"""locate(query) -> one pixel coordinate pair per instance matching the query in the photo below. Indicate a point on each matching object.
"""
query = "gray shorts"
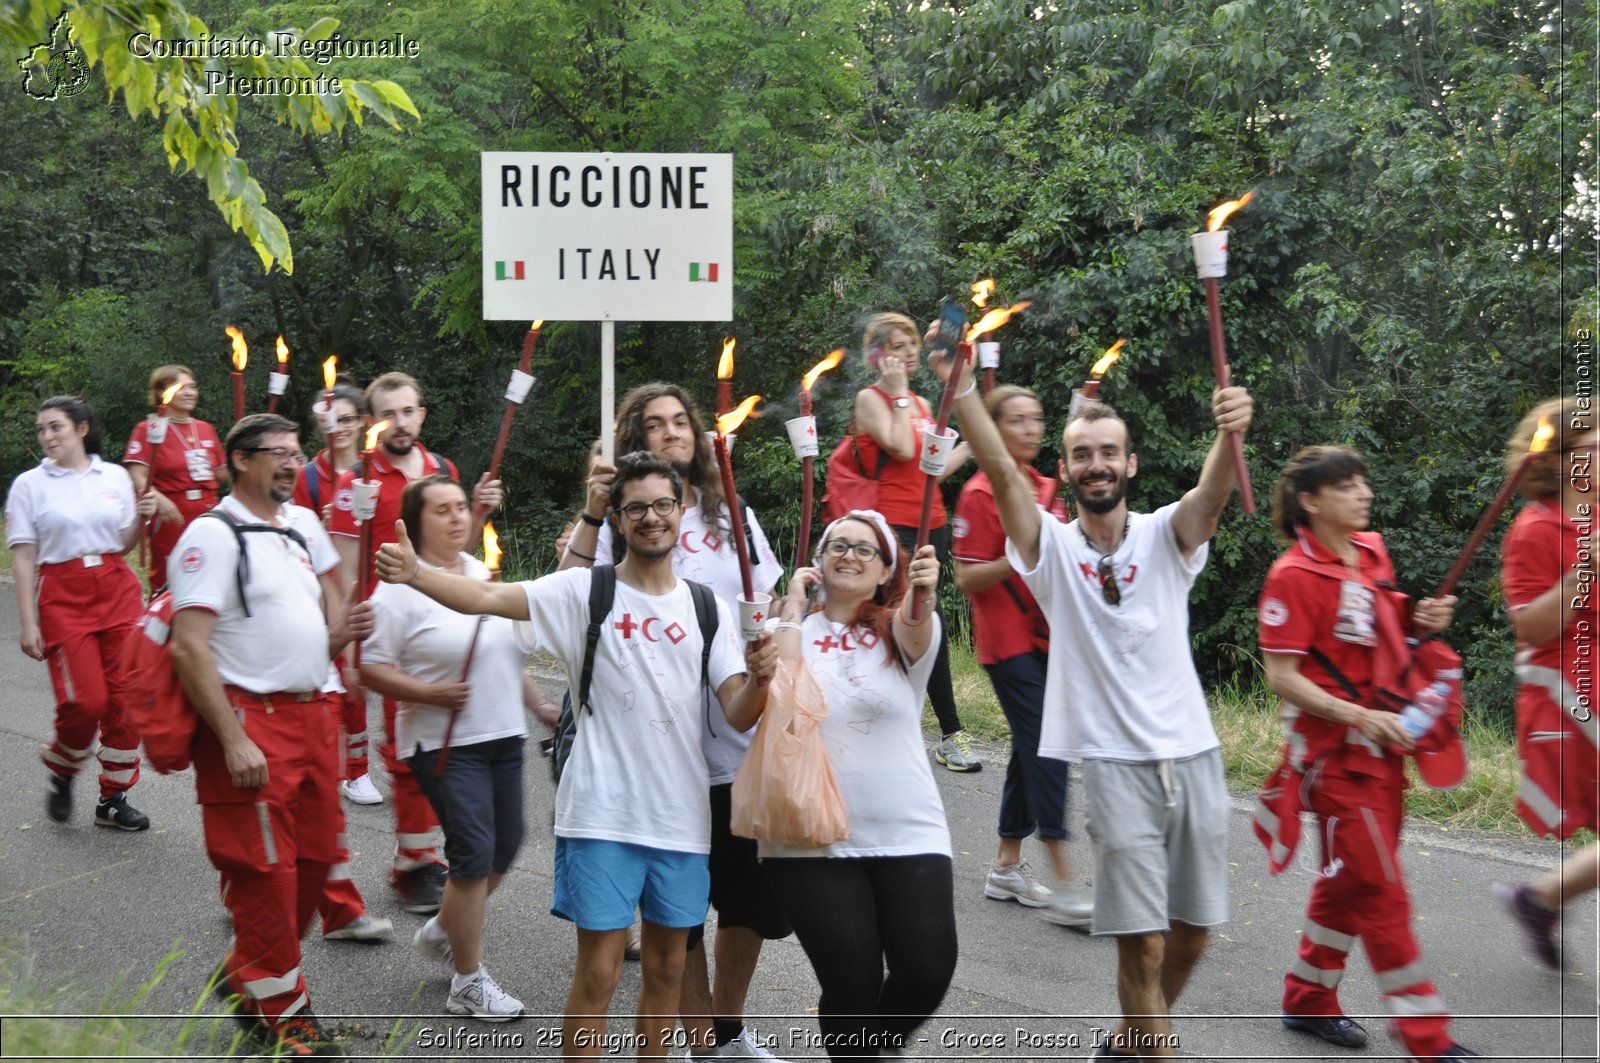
(1160, 834)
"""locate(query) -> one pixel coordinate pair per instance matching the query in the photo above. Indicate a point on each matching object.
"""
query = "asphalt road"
(88, 915)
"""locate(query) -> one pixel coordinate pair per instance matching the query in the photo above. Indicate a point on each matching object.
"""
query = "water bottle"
(1417, 718)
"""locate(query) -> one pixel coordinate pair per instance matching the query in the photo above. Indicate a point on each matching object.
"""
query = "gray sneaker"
(483, 999)
(955, 752)
(431, 940)
(1071, 904)
(1016, 883)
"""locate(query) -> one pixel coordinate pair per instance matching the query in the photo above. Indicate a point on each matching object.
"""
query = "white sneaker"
(361, 791)
(1015, 882)
(367, 929)
(432, 942)
(1071, 904)
(482, 998)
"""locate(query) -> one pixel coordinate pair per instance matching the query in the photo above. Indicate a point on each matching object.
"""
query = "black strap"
(313, 481)
(602, 592)
(1337, 676)
(705, 612)
(855, 450)
(241, 572)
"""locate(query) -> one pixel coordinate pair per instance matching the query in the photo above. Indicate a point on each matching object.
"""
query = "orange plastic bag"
(785, 792)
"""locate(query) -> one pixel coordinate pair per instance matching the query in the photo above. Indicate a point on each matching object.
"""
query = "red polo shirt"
(320, 469)
(1541, 545)
(391, 482)
(1006, 621)
(169, 460)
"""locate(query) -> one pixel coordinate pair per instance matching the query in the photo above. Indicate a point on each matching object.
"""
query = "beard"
(399, 450)
(1101, 506)
(651, 553)
(282, 490)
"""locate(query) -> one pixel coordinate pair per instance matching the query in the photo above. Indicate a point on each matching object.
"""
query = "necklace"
(1127, 522)
(192, 441)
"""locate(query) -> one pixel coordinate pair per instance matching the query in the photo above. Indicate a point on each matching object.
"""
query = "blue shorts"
(599, 884)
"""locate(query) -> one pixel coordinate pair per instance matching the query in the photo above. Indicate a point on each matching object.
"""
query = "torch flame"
(1541, 438)
(981, 291)
(995, 318)
(330, 371)
(491, 547)
(725, 364)
(535, 327)
(283, 353)
(166, 396)
(241, 352)
(373, 433)
(730, 421)
(821, 367)
(1108, 359)
(1220, 214)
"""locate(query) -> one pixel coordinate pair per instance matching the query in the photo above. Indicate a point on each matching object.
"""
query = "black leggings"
(853, 914)
(940, 692)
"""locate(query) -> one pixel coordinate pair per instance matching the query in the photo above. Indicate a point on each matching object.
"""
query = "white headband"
(874, 518)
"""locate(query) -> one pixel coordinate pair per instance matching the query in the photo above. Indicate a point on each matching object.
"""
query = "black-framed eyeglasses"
(636, 510)
(279, 454)
(1108, 582)
(863, 551)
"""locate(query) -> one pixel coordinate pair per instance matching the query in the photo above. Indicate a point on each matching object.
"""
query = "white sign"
(574, 236)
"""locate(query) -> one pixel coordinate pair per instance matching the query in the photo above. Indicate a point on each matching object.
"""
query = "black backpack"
(602, 594)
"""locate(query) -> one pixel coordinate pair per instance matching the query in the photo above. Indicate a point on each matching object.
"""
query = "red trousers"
(355, 735)
(86, 616)
(273, 846)
(1361, 894)
(416, 825)
(164, 533)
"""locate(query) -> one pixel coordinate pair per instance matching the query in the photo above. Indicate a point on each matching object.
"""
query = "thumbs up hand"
(397, 561)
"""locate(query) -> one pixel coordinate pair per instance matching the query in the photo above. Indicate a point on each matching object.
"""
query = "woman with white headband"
(885, 893)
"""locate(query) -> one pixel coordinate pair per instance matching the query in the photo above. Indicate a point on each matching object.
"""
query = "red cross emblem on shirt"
(826, 644)
(626, 626)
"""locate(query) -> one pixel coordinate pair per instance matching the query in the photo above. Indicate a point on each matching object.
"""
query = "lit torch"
(516, 393)
(327, 419)
(803, 437)
(278, 381)
(1538, 445)
(365, 505)
(988, 350)
(491, 558)
(155, 432)
(1211, 262)
(1090, 392)
(937, 441)
(725, 378)
(752, 610)
(241, 355)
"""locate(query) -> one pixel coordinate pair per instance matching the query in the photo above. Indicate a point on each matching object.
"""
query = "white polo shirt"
(282, 646)
(69, 514)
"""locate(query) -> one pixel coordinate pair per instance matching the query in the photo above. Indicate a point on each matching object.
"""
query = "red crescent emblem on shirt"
(193, 559)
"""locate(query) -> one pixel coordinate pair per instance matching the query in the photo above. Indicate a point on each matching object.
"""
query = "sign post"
(608, 237)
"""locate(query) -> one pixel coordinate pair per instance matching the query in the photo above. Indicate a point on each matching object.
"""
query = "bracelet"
(593, 522)
(574, 553)
(971, 387)
(786, 625)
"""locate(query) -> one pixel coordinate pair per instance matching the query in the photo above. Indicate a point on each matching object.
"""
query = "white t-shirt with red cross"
(706, 554)
(873, 736)
(283, 644)
(636, 773)
(1121, 683)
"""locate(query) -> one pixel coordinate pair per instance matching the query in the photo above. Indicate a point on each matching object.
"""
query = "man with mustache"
(1121, 693)
(418, 874)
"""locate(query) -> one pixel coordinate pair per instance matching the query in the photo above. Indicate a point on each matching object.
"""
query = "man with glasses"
(1121, 693)
(633, 821)
(253, 639)
(418, 874)
(662, 419)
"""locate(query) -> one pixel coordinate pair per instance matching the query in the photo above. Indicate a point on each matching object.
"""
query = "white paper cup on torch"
(802, 436)
(365, 499)
(327, 419)
(156, 430)
(989, 354)
(711, 441)
(517, 390)
(753, 616)
(277, 383)
(1210, 253)
(936, 449)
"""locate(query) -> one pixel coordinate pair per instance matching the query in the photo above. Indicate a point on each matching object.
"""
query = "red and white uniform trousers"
(416, 824)
(88, 608)
(355, 735)
(1558, 751)
(1361, 893)
(274, 845)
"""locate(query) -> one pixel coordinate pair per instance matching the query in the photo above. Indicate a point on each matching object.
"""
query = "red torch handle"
(272, 404)
(988, 379)
(807, 493)
(1485, 522)
(450, 725)
(931, 483)
(1219, 364)
(736, 519)
(238, 395)
(528, 343)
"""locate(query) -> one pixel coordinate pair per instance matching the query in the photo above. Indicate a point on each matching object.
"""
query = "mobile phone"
(952, 324)
(813, 596)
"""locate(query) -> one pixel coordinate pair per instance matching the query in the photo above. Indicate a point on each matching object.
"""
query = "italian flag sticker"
(508, 271)
(703, 271)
